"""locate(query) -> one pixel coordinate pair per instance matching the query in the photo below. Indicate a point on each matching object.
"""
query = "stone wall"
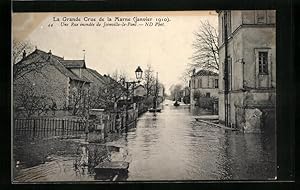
(250, 111)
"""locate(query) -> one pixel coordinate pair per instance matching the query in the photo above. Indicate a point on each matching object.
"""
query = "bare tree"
(22, 68)
(110, 93)
(175, 91)
(119, 76)
(78, 99)
(186, 76)
(149, 81)
(19, 48)
(206, 53)
(114, 91)
(30, 103)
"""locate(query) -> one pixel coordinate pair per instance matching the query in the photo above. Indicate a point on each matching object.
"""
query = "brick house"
(251, 68)
(53, 81)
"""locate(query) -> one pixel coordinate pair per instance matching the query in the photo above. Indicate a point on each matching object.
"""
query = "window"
(194, 83)
(216, 83)
(263, 62)
(263, 67)
(200, 83)
(207, 94)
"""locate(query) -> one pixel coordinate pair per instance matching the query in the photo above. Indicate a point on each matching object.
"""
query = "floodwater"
(169, 145)
(172, 146)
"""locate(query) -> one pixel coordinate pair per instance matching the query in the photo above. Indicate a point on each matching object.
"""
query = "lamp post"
(138, 75)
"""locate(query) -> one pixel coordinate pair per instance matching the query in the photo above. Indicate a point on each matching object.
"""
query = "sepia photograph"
(143, 96)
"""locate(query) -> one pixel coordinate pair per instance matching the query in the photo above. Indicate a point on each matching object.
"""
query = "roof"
(205, 73)
(140, 85)
(96, 74)
(66, 71)
(57, 62)
(40, 53)
(74, 63)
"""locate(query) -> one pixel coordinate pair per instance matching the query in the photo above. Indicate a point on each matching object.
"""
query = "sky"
(107, 49)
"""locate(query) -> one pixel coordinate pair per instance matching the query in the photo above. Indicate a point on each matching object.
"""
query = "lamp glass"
(138, 73)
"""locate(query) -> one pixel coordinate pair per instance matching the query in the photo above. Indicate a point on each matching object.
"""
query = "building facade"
(203, 83)
(247, 78)
(49, 85)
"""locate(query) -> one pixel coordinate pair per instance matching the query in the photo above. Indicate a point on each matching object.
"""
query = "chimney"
(24, 54)
(49, 53)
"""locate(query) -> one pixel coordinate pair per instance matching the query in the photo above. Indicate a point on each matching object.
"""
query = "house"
(247, 79)
(50, 84)
(203, 83)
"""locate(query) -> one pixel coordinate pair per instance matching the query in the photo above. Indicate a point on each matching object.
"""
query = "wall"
(236, 20)
(235, 51)
(258, 38)
(250, 16)
(48, 82)
(244, 90)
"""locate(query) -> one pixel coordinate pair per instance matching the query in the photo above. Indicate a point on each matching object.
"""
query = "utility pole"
(126, 108)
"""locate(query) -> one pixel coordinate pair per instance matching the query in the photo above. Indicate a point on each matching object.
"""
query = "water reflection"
(170, 145)
(174, 147)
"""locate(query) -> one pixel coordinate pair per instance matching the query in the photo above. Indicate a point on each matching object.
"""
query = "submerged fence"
(44, 127)
(48, 127)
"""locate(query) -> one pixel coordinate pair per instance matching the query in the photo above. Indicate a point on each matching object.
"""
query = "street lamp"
(138, 73)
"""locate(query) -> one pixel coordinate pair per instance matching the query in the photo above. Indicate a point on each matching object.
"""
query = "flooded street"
(170, 145)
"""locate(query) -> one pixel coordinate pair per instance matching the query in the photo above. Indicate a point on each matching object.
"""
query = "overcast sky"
(107, 49)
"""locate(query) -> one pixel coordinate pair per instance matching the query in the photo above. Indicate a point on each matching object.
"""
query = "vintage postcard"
(143, 96)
